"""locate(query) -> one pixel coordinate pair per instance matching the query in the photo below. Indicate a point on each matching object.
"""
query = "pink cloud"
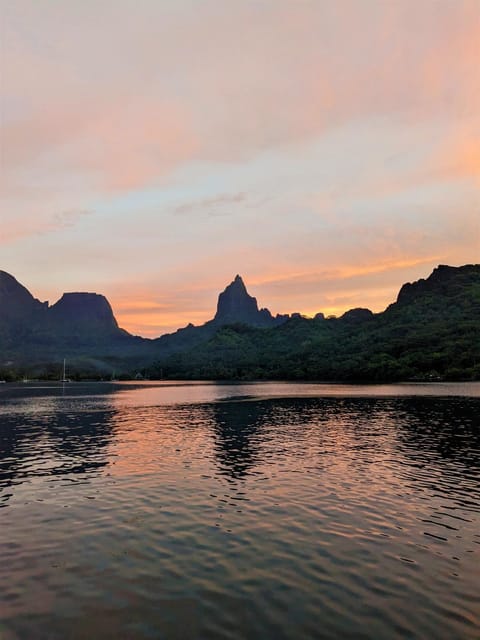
(168, 88)
(99, 102)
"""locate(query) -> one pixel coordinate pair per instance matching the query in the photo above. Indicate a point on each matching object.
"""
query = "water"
(262, 511)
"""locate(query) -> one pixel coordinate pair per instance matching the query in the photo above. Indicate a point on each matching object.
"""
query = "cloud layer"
(283, 139)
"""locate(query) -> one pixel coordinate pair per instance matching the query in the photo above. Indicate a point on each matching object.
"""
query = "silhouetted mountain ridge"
(82, 313)
(236, 305)
(431, 332)
(15, 299)
(443, 281)
(433, 329)
(77, 318)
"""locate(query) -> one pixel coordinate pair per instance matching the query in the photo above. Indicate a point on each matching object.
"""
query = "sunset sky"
(326, 150)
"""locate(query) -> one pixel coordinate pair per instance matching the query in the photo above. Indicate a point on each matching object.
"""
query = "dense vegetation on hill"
(432, 332)
(35, 337)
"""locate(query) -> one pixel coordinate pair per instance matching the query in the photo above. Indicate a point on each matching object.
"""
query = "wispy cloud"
(32, 225)
(130, 115)
(217, 206)
(68, 218)
(322, 149)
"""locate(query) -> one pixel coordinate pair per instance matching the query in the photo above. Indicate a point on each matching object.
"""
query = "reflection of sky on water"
(50, 443)
(82, 430)
(280, 507)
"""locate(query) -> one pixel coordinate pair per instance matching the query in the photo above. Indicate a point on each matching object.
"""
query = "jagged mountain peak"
(235, 304)
(237, 284)
(443, 280)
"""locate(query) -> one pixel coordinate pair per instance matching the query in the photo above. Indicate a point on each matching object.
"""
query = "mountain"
(85, 315)
(16, 302)
(82, 327)
(19, 311)
(431, 332)
(444, 282)
(236, 305)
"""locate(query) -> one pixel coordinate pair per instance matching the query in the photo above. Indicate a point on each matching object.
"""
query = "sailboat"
(64, 378)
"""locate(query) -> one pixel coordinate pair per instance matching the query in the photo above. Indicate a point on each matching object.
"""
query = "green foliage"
(434, 333)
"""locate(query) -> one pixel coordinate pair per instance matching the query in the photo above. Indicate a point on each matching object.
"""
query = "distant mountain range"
(82, 327)
(432, 331)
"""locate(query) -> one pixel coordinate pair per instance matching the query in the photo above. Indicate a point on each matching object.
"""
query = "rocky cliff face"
(21, 315)
(83, 324)
(443, 280)
(26, 324)
(83, 320)
(16, 302)
(85, 313)
(236, 305)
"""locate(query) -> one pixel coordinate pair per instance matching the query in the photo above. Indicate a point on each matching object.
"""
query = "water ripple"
(203, 511)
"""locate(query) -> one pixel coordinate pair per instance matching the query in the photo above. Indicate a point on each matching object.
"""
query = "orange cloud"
(461, 158)
(346, 272)
(256, 79)
(332, 291)
(224, 104)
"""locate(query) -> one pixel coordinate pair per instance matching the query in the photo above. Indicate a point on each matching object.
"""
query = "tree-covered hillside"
(432, 332)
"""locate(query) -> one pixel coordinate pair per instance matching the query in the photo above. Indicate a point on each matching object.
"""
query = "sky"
(327, 151)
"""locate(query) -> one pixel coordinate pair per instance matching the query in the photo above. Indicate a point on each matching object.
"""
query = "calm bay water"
(262, 511)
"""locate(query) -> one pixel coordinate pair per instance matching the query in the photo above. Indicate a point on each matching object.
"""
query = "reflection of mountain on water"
(253, 432)
(448, 428)
(52, 443)
(44, 434)
(263, 431)
(249, 433)
(80, 440)
(238, 435)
